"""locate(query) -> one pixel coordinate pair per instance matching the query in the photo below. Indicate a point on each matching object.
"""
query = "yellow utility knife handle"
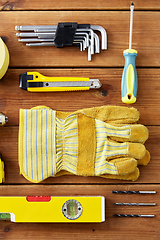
(36, 80)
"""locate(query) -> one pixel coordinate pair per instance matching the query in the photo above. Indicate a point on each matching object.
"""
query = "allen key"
(64, 34)
(96, 39)
(103, 34)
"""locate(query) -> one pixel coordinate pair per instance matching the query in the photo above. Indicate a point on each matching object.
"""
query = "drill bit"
(135, 192)
(135, 204)
(132, 215)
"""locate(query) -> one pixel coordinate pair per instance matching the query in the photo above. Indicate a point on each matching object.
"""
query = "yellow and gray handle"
(36, 82)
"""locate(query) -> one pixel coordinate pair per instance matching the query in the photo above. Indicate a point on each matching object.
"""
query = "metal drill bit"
(135, 192)
(135, 204)
(132, 215)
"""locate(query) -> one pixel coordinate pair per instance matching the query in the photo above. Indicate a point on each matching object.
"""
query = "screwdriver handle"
(129, 83)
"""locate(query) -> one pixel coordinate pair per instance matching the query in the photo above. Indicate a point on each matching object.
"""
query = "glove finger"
(138, 133)
(145, 160)
(131, 176)
(136, 150)
(113, 150)
(112, 114)
(125, 165)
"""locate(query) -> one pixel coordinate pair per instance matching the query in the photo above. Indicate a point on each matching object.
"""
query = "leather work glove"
(102, 141)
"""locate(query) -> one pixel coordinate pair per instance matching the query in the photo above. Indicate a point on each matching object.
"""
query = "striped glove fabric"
(102, 141)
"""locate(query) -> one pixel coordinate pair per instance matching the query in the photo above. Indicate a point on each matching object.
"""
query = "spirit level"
(53, 209)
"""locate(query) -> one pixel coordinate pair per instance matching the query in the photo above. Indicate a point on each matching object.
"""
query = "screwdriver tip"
(132, 5)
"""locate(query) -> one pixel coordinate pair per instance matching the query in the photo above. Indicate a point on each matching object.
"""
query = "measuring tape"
(53, 209)
(4, 58)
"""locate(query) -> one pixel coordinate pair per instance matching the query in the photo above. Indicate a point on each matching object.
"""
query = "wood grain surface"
(145, 38)
(112, 228)
(77, 5)
(107, 66)
(13, 98)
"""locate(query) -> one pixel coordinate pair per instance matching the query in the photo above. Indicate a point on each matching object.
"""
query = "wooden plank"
(112, 228)
(74, 5)
(146, 41)
(116, 24)
(9, 151)
(148, 100)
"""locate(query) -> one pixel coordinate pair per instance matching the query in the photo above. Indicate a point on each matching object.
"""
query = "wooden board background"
(107, 67)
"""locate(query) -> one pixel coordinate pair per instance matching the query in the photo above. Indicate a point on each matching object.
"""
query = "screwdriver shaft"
(131, 26)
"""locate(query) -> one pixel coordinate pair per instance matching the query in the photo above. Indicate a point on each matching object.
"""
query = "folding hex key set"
(64, 34)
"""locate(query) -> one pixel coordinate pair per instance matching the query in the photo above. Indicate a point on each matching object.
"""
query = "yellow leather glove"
(101, 141)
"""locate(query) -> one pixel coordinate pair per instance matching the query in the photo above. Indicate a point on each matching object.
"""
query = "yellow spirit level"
(36, 82)
(53, 209)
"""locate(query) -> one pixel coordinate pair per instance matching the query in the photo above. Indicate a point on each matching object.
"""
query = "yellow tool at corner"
(53, 209)
(4, 58)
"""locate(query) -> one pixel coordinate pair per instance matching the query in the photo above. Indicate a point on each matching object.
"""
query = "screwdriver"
(129, 77)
